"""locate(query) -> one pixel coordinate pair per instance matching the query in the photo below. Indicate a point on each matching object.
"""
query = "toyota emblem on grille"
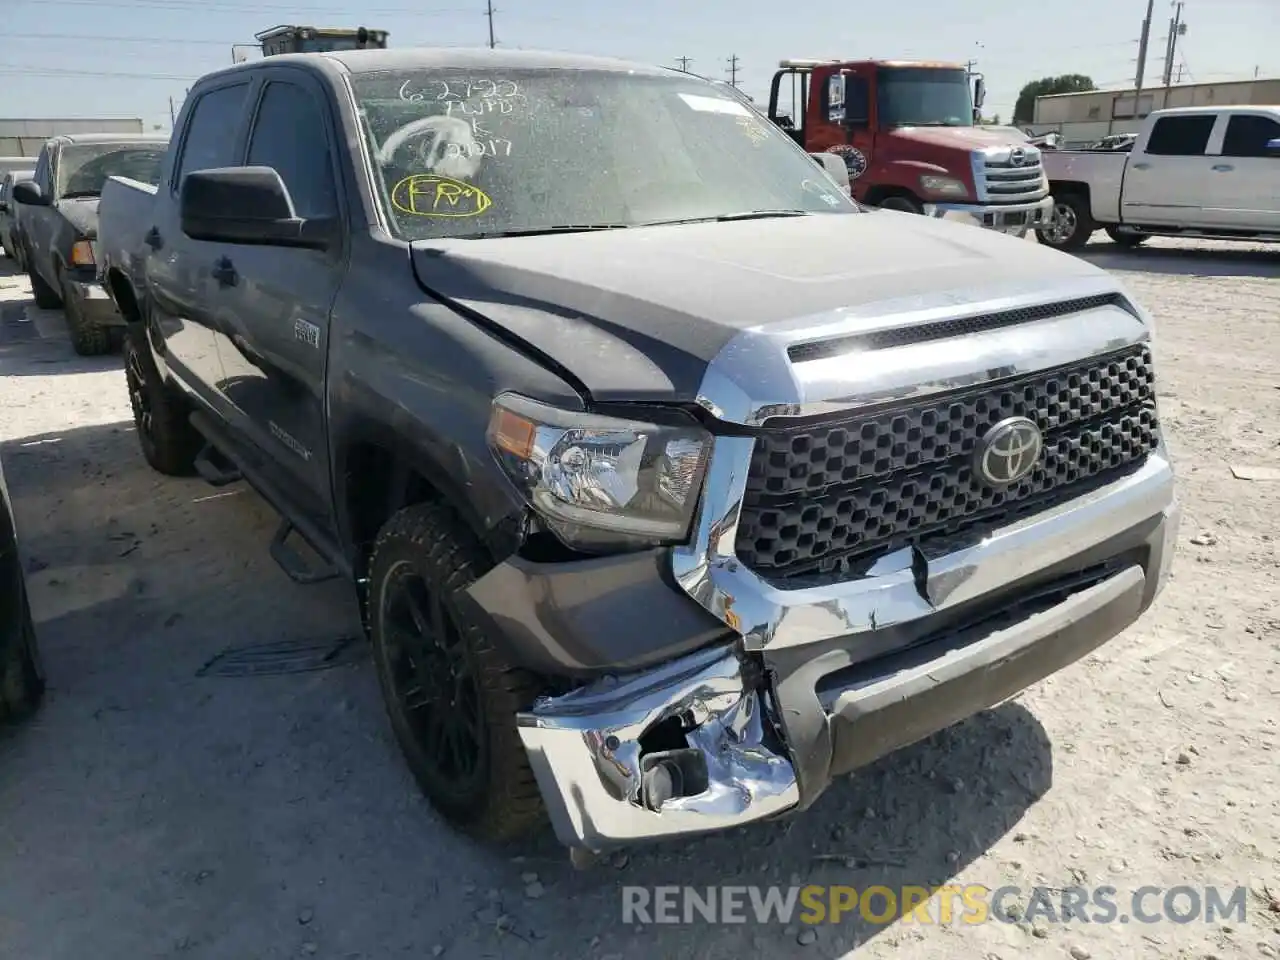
(1009, 451)
(1017, 156)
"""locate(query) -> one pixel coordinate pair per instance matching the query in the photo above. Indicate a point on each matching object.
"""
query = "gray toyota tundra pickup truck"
(672, 482)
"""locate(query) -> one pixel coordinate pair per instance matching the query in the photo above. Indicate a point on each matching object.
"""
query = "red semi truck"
(907, 133)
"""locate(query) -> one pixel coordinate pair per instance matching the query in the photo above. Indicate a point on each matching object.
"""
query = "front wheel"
(88, 339)
(45, 296)
(1071, 224)
(451, 696)
(902, 203)
(21, 676)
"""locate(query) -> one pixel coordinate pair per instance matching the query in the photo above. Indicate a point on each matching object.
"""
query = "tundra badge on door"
(308, 333)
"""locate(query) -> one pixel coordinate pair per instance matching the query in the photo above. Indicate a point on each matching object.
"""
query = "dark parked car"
(60, 225)
(8, 213)
(21, 676)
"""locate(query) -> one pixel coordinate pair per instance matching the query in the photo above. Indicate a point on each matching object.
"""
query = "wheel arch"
(378, 471)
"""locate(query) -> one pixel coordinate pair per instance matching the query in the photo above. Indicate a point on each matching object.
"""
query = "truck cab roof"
(448, 58)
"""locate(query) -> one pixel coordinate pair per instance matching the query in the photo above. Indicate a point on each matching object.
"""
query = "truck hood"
(955, 138)
(637, 314)
(81, 213)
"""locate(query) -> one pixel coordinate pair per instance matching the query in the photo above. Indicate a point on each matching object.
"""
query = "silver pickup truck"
(1209, 172)
(672, 482)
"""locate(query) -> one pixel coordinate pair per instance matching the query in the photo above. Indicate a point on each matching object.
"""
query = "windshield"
(465, 154)
(922, 96)
(83, 169)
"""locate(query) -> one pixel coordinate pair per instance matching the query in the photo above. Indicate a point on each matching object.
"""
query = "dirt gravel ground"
(154, 809)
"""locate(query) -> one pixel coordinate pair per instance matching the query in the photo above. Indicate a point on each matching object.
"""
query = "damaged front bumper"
(679, 749)
(757, 727)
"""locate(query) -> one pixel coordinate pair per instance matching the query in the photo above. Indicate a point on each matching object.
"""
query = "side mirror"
(248, 205)
(1273, 147)
(835, 168)
(979, 93)
(835, 99)
(29, 194)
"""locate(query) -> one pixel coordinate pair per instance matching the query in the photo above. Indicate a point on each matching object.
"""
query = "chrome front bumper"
(1008, 217)
(762, 737)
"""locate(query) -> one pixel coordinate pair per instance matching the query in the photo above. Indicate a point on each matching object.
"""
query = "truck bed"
(124, 216)
(1102, 171)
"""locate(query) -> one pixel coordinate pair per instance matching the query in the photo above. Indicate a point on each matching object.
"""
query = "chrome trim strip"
(766, 616)
(752, 381)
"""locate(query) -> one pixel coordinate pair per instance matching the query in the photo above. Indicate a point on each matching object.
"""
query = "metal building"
(24, 138)
(1085, 117)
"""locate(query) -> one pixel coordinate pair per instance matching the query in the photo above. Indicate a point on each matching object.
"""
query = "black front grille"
(823, 498)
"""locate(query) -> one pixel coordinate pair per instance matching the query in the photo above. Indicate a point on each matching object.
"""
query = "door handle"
(1142, 166)
(224, 272)
(153, 239)
(1223, 167)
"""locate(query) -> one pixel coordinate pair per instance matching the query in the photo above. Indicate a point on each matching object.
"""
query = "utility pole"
(489, 13)
(684, 63)
(1175, 30)
(1142, 60)
(733, 71)
(172, 115)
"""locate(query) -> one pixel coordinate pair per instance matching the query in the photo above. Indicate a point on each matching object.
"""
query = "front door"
(1245, 186)
(183, 291)
(853, 140)
(1167, 180)
(275, 330)
(37, 222)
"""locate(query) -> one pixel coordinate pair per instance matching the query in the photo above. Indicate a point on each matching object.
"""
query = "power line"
(98, 38)
(32, 71)
(199, 5)
(733, 70)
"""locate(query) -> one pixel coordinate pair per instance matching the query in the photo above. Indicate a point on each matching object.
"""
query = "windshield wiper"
(536, 231)
(727, 217)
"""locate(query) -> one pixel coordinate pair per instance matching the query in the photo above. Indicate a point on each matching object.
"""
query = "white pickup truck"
(1192, 172)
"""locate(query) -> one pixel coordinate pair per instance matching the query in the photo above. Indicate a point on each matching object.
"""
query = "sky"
(127, 58)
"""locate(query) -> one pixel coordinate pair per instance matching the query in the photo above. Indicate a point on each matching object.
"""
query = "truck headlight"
(601, 483)
(943, 186)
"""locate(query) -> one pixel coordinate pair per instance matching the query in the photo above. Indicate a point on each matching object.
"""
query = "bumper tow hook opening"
(676, 750)
(670, 774)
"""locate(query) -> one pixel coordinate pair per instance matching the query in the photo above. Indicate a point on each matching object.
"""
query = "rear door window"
(1248, 135)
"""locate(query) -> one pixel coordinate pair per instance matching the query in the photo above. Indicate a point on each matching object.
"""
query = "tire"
(45, 296)
(1072, 224)
(169, 442)
(903, 203)
(88, 339)
(21, 678)
(1127, 240)
(421, 558)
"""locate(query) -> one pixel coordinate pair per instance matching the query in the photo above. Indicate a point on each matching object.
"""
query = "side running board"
(215, 468)
(293, 563)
